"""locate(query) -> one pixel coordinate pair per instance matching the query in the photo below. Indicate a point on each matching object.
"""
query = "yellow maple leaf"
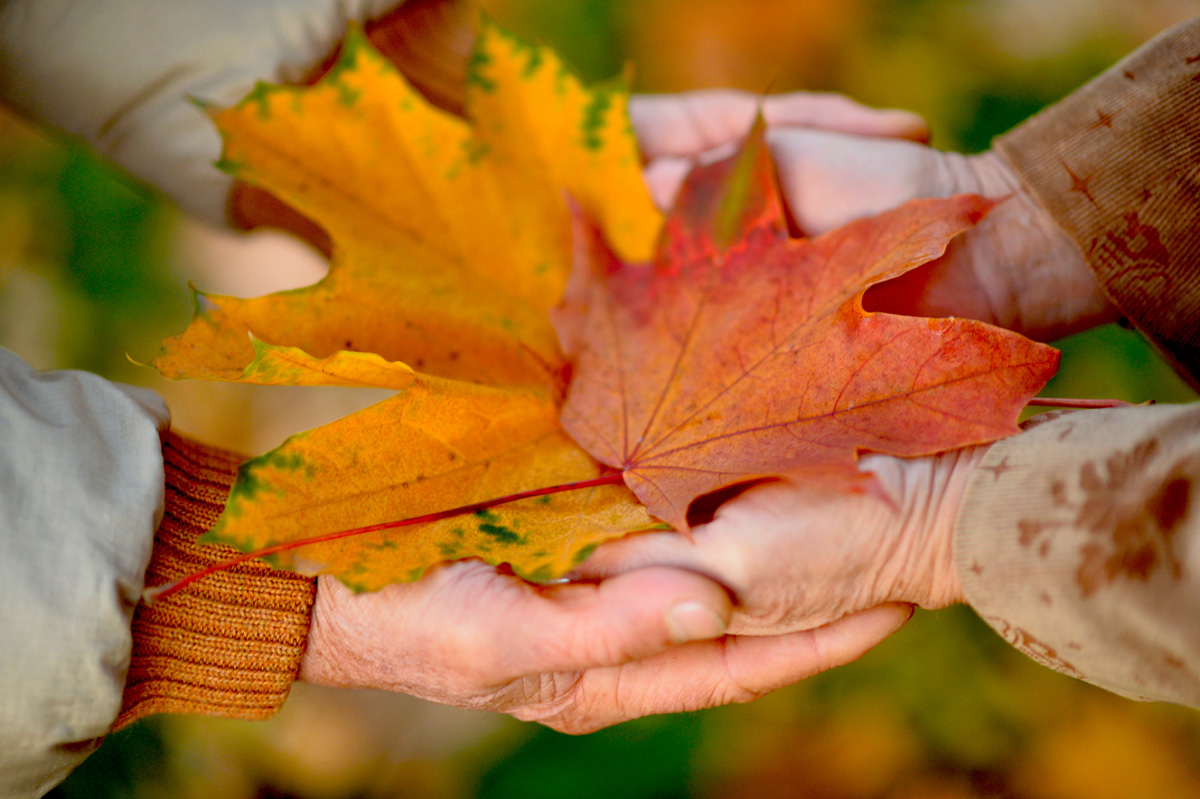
(439, 445)
(451, 241)
(291, 366)
(451, 238)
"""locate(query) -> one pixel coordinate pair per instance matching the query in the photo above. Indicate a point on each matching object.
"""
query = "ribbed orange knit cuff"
(229, 644)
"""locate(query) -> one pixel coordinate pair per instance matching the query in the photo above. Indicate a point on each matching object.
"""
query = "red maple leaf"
(743, 353)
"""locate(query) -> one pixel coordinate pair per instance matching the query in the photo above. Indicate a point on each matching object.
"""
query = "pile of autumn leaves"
(545, 326)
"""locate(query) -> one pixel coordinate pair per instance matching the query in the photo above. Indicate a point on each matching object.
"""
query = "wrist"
(953, 473)
(919, 566)
(1033, 275)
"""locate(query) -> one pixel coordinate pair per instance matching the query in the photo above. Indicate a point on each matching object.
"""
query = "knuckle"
(736, 687)
(548, 699)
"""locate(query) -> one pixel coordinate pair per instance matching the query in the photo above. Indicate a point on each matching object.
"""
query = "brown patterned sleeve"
(1117, 164)
(230, 644)
(1079, 540)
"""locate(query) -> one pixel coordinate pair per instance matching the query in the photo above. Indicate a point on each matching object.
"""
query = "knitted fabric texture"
(230, 644)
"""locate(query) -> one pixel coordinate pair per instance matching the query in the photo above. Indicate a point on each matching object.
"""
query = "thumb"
(575, 626)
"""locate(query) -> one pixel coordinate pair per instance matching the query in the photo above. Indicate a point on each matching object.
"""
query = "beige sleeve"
(1079, 540)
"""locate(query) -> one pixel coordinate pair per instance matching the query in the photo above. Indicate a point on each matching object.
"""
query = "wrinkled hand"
(796, 557)
(582, 656)
(1017, 268)
(576, 657)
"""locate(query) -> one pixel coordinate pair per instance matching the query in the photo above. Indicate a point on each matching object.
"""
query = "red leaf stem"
(1050, 402)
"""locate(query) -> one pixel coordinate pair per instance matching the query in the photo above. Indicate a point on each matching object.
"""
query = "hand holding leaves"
(730, 353)
(1017, 269)
(738, 353)
(573, 657)
(796, 556)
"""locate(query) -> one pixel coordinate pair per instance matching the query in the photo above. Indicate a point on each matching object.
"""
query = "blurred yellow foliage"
(756, 45)
(1109, 749)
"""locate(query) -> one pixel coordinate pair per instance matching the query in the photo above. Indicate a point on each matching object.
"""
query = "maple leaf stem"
(1050, 402)
(158, 593)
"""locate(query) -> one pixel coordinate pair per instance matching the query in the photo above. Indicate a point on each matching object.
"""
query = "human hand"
(1017, 269)
(796, 556)
(576, 657)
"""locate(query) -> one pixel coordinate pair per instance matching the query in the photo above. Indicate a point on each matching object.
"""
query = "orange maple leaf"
(743, 353)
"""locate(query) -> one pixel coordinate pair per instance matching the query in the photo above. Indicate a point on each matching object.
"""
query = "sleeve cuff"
(230, 644)
(1116, 165)
(1077, 542)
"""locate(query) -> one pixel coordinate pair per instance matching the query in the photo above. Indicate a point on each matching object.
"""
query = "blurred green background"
(92, 267)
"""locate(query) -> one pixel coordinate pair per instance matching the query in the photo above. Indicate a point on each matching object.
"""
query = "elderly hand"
(796, 557)
(576, 657)
(1017, 268)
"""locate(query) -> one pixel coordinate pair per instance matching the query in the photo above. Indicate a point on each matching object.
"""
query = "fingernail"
(693, 621)
(906, 612)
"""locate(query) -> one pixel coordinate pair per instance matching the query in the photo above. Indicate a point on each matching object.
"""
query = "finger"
(839, 113)
(670, 549)
(686, 125)
(663, 178)
(633, 615)
(709, 674)
(829, 179)
(462, 630)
